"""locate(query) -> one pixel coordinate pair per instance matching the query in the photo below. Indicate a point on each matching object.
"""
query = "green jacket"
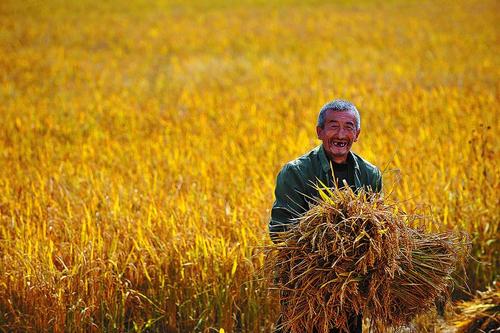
(296, 181)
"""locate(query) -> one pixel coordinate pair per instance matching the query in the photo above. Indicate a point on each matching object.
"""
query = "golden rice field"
(140, 140)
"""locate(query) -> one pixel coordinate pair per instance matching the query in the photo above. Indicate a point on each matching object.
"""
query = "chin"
(339, 154)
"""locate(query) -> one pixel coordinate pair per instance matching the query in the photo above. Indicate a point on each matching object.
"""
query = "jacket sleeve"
(377, 182)
(289, 200)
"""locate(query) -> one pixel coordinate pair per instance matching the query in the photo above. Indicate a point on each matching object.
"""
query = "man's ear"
(318, 131)
(357, 135)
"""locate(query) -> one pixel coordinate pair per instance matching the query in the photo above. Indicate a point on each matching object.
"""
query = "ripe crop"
(139, 144)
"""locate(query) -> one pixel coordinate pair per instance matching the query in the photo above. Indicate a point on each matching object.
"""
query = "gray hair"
(338, 105)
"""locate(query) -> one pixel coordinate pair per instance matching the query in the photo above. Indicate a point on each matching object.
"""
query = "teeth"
(340, 144)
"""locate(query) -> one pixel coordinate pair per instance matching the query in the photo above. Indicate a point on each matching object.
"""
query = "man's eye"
(350, 128)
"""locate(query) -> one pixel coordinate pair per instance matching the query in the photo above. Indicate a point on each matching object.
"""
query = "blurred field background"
(140, 140)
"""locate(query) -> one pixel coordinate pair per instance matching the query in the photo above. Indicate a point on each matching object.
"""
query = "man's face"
(338, 134)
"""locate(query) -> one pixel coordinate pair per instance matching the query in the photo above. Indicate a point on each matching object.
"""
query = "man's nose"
(342, 133)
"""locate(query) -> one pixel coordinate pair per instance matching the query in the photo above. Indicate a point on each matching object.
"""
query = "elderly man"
(338, 127)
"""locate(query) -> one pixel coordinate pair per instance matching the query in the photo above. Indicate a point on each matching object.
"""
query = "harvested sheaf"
(352, 254)
(423, 277)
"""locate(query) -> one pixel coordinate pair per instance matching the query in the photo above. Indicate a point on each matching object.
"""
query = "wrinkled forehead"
(341, 116)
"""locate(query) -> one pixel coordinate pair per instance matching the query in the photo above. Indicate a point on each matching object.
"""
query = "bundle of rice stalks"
(481, 314)
(352, 254)
(423, 277)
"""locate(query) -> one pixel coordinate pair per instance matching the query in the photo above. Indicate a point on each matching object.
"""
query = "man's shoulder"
(302, 172)
(305, 161)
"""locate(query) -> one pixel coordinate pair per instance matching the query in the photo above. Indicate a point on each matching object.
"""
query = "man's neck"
(338, 160)
(344, 161)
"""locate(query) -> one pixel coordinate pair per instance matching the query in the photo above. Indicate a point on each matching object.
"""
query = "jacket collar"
(325, 162)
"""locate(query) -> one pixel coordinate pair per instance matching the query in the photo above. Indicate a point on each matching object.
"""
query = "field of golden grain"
(140, 140)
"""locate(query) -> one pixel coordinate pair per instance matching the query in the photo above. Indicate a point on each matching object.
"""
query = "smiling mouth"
(339, 144)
